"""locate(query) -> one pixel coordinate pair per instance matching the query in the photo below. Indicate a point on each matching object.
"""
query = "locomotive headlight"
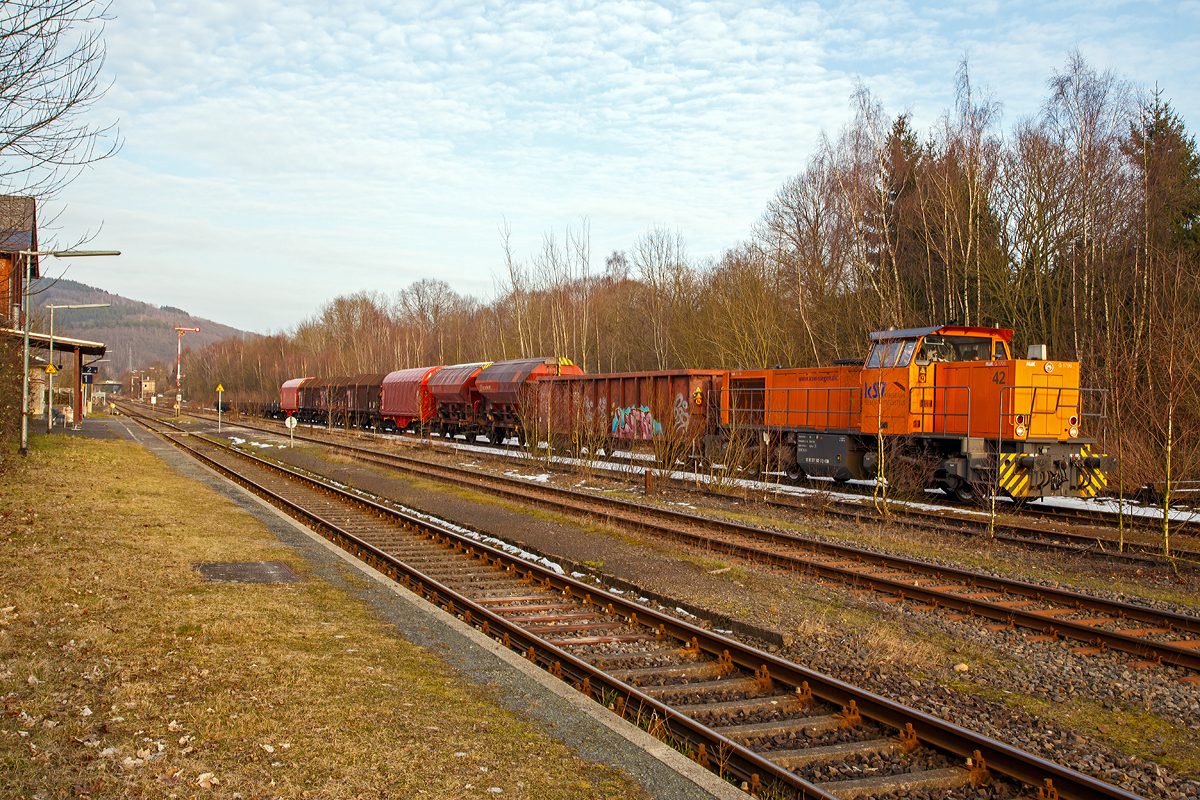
(1073, 432)
(1020, 430)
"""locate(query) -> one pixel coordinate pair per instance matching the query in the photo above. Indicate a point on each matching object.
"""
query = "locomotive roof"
(952, 330)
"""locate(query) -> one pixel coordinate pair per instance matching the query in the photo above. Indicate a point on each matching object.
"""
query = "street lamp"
(50, 373)
(29, 254)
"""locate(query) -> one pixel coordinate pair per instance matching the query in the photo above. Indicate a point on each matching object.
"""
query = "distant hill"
(137, 334)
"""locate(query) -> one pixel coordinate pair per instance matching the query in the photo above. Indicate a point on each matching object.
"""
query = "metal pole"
(218, 412)
(178, 374)
(50, 379)
(25, 373)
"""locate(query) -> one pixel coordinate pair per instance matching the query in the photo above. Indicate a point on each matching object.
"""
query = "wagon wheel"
(796, 473)
(753, 468)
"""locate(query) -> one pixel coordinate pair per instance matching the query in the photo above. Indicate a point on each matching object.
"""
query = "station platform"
(101, 426)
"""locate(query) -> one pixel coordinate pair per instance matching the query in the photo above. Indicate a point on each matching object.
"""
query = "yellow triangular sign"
(220, 388)
(50, 370)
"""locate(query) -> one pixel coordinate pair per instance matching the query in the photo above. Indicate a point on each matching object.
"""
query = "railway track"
(1139, 548)
(1150, 636)
(1088, 544)
(769, 726)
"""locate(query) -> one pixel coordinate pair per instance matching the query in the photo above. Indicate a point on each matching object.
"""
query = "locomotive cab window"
(892, 354)
(1001, 353)
(955, 348)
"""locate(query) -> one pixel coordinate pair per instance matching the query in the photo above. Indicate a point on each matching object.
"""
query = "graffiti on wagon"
(635, 422)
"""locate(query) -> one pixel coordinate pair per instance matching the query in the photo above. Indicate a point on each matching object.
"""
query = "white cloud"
(280, 153)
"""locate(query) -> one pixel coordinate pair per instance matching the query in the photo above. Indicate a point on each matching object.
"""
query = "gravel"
(1000, 664)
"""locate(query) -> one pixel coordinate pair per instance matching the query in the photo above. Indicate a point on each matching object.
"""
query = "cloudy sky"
(277, 154)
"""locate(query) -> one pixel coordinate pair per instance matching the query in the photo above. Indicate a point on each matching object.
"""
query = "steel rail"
(1136, 552)
(746, 765)
(1028, 768)
(578, 501)
(1085, 544)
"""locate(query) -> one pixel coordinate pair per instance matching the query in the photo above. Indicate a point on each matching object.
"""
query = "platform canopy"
(42, 342)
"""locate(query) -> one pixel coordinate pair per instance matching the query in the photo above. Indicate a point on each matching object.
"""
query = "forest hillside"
(137, 334)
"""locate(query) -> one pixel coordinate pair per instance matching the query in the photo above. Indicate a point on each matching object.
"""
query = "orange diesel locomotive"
(951, 402)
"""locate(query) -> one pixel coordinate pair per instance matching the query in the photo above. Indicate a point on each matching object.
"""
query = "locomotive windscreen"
(955, 348)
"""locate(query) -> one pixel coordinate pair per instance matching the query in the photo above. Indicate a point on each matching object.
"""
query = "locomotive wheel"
(974, 494)
(963, 493)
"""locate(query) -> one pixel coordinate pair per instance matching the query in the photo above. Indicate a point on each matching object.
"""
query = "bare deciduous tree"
(51, 54)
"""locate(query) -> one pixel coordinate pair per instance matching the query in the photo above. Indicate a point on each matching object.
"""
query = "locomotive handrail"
(944, 414)
(768, 411)
(1033, 411)
(1059, 405)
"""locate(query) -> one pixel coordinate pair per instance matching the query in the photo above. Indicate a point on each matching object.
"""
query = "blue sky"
(277, 154)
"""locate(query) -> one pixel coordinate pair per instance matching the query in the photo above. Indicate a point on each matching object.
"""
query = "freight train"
(946, 406)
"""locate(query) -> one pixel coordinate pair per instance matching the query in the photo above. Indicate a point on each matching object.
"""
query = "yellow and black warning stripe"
(1014, 479)
(1091, 479)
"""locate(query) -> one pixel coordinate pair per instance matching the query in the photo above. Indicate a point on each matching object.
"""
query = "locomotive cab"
(978, 417)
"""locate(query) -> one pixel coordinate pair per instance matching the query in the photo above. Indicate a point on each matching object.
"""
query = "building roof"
(42, 340)
(18, 226)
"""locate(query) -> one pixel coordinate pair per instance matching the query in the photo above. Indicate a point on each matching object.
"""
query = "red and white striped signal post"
(178, 370)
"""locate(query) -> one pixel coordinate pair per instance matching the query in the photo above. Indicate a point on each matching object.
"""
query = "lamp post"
(50, 375)
(29, 254)
(178, 366)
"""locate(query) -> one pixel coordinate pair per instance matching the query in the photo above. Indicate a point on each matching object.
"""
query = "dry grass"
(982, 553)
(1130, 732)
(123, 673)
